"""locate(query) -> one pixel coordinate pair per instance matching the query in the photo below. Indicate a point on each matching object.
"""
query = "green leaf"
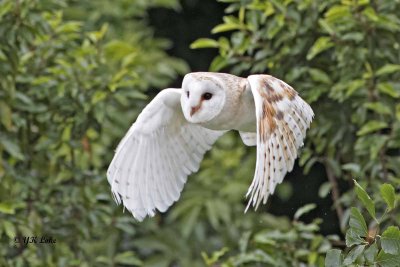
(7, 208)
(371, 252)
(303, 210)
(333, 258)
(9, 228)
(324, 189)
(190, 221)
(212, 214)
(69, 27)
(242, 13)
(268, 237)
(127, 258)
(319, 76)
(216, 255)
(388, 89)
(398, 112)
(387, 260)
(310, 163)
(353, 254)
(379, 108)
(388, 69)
(11, 147)
(388, 194)
(322, 44)
(118, 50)
(98, 96)
(334, 166)
(357, 223)
(353, 36)
(5, 7)
(390, 240)
(353, 167)
(224, 45)
(218, 63)
(326, 26)
(370, 13)
(95, 36)
(255, 256)
(372, 126)
(284, 191)
(337, 12)
(377, 145)
(225, 27)
(244, 241)
(6, 114)
(352, 238)
(204, 43)
(365, 199)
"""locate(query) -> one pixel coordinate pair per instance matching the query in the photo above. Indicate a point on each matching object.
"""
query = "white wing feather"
(153, 160)
(282, 120)
(248, 138)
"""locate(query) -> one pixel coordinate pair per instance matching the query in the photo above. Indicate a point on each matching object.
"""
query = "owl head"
(203, 96)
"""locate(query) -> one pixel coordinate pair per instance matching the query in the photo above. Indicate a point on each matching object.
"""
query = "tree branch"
(335, 192)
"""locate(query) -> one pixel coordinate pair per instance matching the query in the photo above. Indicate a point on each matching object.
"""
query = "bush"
(74, 75)
(366, 245)
(342, 56)
(66, 95)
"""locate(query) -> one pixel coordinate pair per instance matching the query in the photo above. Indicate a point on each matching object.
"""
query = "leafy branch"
(365, 245)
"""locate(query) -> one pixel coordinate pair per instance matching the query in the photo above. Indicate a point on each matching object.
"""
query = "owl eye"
(187, 94)
(207, 96)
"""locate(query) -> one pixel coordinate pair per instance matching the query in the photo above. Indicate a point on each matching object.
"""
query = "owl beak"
(194, 110)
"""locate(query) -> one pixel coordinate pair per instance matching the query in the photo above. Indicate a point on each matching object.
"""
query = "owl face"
(203, 97)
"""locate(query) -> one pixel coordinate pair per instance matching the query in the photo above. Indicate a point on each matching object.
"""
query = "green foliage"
(283, 243)
(340, 55)
(66, 94)
(333, 258)
(387, 192)
(75, 74)
(365, 199)
(365, 245)
(343, 58)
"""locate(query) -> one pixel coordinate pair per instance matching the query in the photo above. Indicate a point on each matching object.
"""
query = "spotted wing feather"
(282, 120)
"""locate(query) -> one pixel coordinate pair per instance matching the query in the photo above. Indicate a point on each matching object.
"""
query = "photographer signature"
(34, 240)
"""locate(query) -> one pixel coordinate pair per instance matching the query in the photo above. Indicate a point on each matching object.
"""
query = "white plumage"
(169, 138)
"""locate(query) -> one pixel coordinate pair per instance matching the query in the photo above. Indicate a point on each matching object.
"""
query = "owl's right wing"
(282, 120)
(153, 160)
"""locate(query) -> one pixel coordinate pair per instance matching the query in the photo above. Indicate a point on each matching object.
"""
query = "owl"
(172, 133)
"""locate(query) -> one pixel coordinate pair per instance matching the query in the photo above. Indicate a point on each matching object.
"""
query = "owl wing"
(153, 160)
(248, 138)
(282, 119)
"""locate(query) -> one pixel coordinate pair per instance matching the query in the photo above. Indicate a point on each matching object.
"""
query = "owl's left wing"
(153, 160)
(282, 120)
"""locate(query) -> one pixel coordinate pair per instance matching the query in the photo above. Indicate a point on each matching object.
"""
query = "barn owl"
(170, 136)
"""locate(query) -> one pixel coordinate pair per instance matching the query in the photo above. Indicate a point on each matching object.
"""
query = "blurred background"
(74, 75)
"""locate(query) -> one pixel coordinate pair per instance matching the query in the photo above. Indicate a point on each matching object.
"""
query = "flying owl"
(172, 133)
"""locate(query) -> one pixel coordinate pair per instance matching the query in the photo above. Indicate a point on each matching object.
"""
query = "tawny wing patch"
(282, 120)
